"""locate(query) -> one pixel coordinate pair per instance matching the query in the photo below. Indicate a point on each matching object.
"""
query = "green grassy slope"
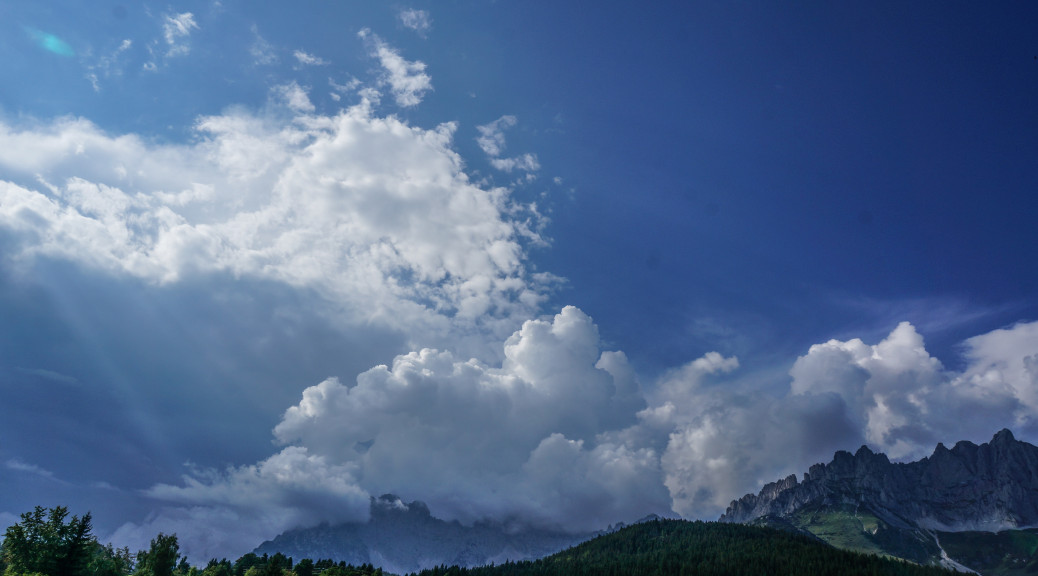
(676, 547)
(858, 530)
(1007, 553)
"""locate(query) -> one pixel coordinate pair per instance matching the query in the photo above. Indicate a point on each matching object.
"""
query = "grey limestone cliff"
(990, 487)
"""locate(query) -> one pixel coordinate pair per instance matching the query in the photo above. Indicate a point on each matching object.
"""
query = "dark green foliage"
(276, 565)
(678, 548)
(218, 568)
(45, 543)
(324, 564)
(281, 565)
(304, 567)
(161, 558)
(344, 569)
(108, 561)
(242, 565)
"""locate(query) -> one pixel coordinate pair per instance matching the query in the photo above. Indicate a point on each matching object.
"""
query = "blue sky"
(569, 264)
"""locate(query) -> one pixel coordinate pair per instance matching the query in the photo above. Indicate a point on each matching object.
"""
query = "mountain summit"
(404, 537)
(864, 501)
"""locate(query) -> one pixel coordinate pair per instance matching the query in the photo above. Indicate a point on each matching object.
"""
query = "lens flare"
(50, 42)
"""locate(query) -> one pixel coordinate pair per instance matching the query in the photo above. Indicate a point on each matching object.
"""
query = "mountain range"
(405, 537)
(865, 502)
(972, 508)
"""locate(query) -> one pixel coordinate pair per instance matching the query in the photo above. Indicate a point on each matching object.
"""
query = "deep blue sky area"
(239, 240)
(803, 158)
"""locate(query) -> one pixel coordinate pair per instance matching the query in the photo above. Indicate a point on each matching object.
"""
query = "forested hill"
(679, 547)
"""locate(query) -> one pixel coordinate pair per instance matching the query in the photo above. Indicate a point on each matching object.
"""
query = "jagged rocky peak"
(1003, 437)
(969, 487)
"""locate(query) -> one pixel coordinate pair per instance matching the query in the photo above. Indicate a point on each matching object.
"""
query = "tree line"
(48, 542)
(683, 548)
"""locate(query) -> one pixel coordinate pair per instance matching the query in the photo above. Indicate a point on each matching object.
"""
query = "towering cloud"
(725, 440)
(561, 435)
(540, 440)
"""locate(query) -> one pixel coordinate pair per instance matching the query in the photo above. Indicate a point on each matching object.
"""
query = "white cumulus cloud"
(374, 215)
(537, 440)
(560, 434)
(726, 440)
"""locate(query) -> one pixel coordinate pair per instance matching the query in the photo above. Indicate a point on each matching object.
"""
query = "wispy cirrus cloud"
(306, 59)
(48, 375)
(20, 466)
(262, 52)
(407, 80)
(108, 66)
(176, 30)
(417, 20)
(492, 141)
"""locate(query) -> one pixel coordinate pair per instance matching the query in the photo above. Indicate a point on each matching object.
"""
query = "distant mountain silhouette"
(404, 537)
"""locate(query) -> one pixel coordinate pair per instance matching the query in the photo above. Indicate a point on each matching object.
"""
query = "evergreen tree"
(44, 543)
(304, 567)
(109, 561)
(218, 568)
(161, 558)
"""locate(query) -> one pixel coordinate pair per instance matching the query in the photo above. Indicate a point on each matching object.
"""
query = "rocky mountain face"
(965, 498)
(404, 537)
(990, 487)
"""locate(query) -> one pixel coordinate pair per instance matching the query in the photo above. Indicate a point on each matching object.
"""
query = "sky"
(551, 265)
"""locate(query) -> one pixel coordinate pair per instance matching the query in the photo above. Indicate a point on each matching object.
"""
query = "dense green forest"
(679, 547)
(50, 543)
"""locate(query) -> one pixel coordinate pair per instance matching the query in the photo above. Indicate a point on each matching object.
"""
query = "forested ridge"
(679, 547)
(50, 543)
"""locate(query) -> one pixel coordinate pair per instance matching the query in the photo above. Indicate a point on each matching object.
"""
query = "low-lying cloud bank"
(562, 435)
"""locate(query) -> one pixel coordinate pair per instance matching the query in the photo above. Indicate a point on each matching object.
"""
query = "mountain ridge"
(405, 537)
(989, 487)
(865, 502)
